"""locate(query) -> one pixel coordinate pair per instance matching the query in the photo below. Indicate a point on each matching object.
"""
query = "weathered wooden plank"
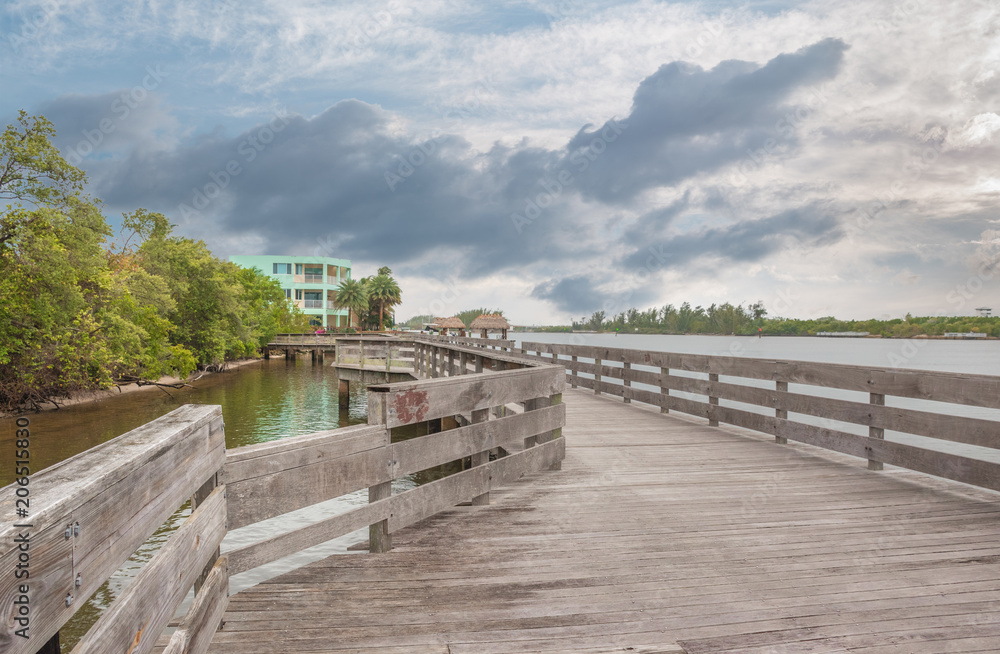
(275, 456)
(202, 620)
(134, 621)
(421, 453)
(258, 498)
(116, 495)
(260, 553)
(410, 402)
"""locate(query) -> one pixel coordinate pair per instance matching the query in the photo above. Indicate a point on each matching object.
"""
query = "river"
(274, 399)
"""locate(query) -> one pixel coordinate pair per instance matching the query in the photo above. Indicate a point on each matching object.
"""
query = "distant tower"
(985, 312)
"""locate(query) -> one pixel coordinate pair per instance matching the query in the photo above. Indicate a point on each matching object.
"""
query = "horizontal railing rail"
(383, 352)
(91, 512)
(587, 366)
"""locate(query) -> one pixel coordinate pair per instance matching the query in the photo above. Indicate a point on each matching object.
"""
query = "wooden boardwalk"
(660, 534)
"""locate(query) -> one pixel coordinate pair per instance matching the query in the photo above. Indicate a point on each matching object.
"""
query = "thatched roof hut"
(444, 324)
(491, 322)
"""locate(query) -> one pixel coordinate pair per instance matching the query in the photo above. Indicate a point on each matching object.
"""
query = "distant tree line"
(80, 310)
(728, 318)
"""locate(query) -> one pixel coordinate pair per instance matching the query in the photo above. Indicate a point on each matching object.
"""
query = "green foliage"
(735, 319)
(353, 296)
(79, 312)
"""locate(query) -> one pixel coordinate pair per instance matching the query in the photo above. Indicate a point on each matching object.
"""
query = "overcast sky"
(550, 158)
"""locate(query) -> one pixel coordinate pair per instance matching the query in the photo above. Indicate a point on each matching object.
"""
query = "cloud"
(686, 120)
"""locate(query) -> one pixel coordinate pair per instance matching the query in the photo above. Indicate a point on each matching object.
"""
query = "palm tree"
(353, 296)
(383, 289)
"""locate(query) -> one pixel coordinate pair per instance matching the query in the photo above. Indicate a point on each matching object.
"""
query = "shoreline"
(918, 337)
(88, 397)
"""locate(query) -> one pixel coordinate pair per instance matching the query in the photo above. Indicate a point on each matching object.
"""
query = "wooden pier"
(586, 518)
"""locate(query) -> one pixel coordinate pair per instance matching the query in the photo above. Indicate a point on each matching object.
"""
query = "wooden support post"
(479, 363)
(267, 353)
(314, 353)
(664, 390)
(344, 393)
(627, 382)
(463, 363)
(321, 355)
(876, 399)
(481, 458)
(574, 376)
(433, 362)
(451, 363)
(379, 538)
(713, 421)
(388, 356)
(557, 432)
(597, 376)
(781, 387)
(200, 496)
(532, 405)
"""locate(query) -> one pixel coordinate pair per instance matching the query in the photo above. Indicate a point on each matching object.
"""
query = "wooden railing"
(304, 340)
(92, 511)
(385, 352)
(505, 345)
(739, 380)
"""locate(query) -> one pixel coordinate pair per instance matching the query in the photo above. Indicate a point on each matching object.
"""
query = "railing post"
(664, 390)
(713, 421)
(451, 363)
(480, 458)
(434, 365)
(597, 376)
(463, 363)
(379, 538)
(557, 432)
(388, 355)
(200, 496)
(781, 387)
(573, 377)
(532, 405)
(627, 382)
(479, 363)
(876, 399)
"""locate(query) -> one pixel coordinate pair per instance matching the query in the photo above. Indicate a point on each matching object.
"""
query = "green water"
(260, 402)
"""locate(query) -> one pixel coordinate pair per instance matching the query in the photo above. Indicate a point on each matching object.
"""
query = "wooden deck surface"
(660, 535)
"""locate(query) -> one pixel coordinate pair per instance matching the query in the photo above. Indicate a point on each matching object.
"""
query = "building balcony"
(313, 304)
(316, 279)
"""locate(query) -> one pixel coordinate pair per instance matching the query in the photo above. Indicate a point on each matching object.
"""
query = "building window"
(288, 293)
(298, 269)
(298, 294)
(282, 269)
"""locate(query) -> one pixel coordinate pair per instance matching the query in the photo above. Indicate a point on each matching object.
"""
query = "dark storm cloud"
(348, 180)
(743, 242)
(686, 120)
(581, 294)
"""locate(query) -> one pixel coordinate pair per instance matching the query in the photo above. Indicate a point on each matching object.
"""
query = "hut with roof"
(444, 324)
(487, 322)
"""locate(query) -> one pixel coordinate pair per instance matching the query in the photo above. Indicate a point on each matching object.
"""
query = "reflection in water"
(261, 402)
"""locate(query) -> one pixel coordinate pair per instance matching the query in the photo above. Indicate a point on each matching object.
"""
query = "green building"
(310, 283)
